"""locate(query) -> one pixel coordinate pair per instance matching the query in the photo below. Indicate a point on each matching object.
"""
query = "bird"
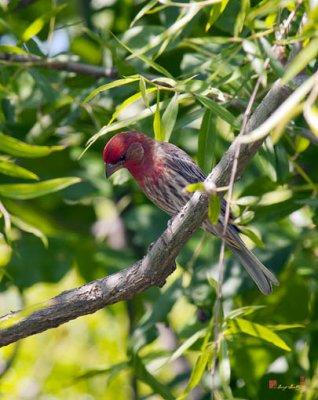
(162, 171)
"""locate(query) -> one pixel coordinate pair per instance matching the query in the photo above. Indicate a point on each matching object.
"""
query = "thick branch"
(30, 60)
(158, 263)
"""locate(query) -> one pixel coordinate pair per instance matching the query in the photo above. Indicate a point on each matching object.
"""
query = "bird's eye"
(122, 158)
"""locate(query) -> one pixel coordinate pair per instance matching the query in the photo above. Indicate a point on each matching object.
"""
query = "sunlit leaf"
(311, 116)
(145, 59)
(22, 191)
(193, 187)
(149, 5)
(214, 209)
(10, 49)
(240, 19)
(169, 117)
(240, 325)
(26, 227)
(157, 126)
(205, 139)
(17, 148)
(301, 60)
(146, 377)
(215, 12)
(218, 110)
(110, 85)
(9, 168)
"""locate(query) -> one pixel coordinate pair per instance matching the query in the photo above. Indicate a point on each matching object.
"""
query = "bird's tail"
(263, 278)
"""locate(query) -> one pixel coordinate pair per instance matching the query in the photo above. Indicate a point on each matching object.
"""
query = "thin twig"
(31, 60)
(217, 309)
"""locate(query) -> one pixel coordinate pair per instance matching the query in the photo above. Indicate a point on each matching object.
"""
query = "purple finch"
(162, 171)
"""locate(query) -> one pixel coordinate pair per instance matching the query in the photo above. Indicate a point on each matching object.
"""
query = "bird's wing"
(181, 163)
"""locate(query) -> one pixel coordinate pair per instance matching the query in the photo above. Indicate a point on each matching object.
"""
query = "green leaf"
(252, 235)
(18, 148)
(214, 209)
(240, 325)
(26, 227)
(144, 11)
(240, 19)
(193, 187)
(33, 29)
(110, 85)
(23, 191)
(242, 311)
(128, 102)
(145, 59)
(114, 369)
(201, 362)
(143, 90)
(157, 126)
(146, 377)
(218, 110)
(38, 24)
(302, 59)
(205, 140)
(186, 345)
(215, 12)
(10, 49)
(9, 168)
(169, 117)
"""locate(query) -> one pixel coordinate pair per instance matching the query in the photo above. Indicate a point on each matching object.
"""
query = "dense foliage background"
(183, 73)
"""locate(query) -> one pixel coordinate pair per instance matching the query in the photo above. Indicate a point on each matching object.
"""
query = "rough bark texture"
(158, 263)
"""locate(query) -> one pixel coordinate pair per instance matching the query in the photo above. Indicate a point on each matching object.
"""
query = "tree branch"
(158, 263)
(30, 60)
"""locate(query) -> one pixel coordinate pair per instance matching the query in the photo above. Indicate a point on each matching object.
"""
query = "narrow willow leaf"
(186, 345)
(279, 129)
(18, 148)
(205, 136)
(301, 144)
(38, 24)
(274, 62)
(289, 104)
(253, 236)
(157, 126)
(214, 209)
(114, 369)
(225, 367)
(145, 59)
(23, 191)
(240, 19)
(311, 116)
(193, 187)
(33, 29)
(218, 110)
(301, 60)
(143, 88)
(169, 117)
(202, 361)
(146, 377)
(110, 85)
(215, 12)
(9, 168)
(240, 325)
(26, 227)
(149, 5)
(246, 310)
(10, 49)
(128, 102)
(283, 327)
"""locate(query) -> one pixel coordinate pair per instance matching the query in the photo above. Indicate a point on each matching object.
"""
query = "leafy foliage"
(182, 72)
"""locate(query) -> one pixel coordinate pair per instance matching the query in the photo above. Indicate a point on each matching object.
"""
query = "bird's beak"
(111, 168)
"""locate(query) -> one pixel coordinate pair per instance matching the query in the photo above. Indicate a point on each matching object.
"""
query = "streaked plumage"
(162, 170)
